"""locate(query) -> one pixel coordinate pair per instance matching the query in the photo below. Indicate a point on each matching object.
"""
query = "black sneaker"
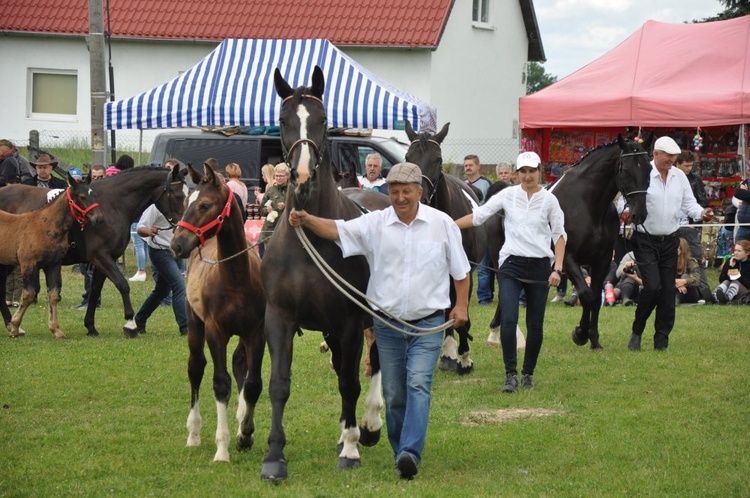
(721, 296)
(635, 342)
(527, 381)
(511, 383)
(407, 466)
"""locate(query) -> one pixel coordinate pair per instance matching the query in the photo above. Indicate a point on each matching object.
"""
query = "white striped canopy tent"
(233, 86)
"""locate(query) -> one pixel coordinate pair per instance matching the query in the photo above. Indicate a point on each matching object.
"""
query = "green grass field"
(106, 416)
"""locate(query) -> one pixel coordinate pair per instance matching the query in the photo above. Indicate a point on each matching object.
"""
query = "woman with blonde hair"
(233, 174)
(266, 181)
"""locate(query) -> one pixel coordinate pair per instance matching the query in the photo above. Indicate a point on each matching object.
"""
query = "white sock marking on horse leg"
(222, 433)
(520, 339)
(373, 405)
(130, 324)
(494, 338)
(194, 426)
(241, 412)
(350, 438)
(450, 348)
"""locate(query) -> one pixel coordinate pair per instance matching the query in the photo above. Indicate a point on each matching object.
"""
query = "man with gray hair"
(9, 168)
(372, 179)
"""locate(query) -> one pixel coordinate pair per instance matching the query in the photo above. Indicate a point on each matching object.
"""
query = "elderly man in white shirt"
(412, 250)
(655, 243)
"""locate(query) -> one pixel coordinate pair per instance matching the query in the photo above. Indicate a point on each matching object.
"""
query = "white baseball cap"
(528, 160)
(666, 144)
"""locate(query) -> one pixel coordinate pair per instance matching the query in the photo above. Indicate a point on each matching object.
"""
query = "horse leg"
(30, 290)
(280, 337)
(465, 363)
(53, 275)
(350, 343)
(598, 272)
(4, 272)
(449, 356)
(250, 352)
(222, 382)
(196, 367)
(580, 334)
(95, 291)
(108, 267)
(371, 425)
(493, 340)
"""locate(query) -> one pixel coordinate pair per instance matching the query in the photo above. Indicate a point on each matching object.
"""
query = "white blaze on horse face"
(193, 197)
(303, 166)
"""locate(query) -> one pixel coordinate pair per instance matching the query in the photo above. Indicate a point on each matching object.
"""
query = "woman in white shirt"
(234, 173)
(533, 223)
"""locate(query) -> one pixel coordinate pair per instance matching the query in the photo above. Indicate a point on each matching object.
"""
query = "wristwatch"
(559, 272)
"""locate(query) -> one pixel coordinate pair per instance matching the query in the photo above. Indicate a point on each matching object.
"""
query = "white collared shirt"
(665, 201)
(152, 217)
(531, 225)
(409, 264)
(367, 184)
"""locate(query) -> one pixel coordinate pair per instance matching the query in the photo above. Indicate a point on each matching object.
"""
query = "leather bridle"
(79, 214)
(203, 232)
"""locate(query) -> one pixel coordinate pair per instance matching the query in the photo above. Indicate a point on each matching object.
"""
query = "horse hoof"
(448, 364)
(578, 338)
(348, 463)
(222, 457)
(465, 370)
(244, 443)
(368, 438)
(130, 333)
(323, 347)
(92, 333)
(274, 471)
(598, 347)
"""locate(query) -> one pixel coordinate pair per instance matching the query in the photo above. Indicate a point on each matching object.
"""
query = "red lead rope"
(75, 210)
(217, 222)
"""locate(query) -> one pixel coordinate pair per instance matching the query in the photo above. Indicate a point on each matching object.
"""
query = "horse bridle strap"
(302, 141)
(626, 154)
(217, 223)
(76, 211)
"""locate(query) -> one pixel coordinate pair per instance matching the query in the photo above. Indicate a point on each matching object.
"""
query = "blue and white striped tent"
(233, 86)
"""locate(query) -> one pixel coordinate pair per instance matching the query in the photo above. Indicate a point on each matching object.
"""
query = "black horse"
(452, 196)
(586, 193)
(122, 199)
(299, 296)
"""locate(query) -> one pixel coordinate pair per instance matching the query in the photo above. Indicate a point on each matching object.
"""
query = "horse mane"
(595, 150)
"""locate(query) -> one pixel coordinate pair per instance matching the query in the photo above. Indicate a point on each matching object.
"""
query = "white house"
(466, 58)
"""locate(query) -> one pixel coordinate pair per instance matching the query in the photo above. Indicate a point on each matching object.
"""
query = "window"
(481, 11)
(53, 93)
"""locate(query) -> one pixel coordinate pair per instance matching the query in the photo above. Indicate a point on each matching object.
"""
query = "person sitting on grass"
(735, 277)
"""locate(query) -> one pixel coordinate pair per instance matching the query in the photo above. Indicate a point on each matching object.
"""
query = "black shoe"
(635, 342)
(407, 466)
(527, 381)
(626, 301)
(721, 296)
(511, 383)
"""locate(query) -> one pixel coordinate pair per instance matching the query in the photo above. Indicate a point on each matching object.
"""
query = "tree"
(734, 8)
(537, 78)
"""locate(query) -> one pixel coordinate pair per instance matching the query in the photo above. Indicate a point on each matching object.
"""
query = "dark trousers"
(511, 278)
(693, 238)
(656, 258)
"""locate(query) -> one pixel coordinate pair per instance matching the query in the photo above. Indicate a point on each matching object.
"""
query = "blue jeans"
(407, 364)
(537, 270)
(139, 246)
(168, 277)
(485, 280)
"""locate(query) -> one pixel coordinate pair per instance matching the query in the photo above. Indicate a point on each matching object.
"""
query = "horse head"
(633, 175)
(171, 201)
(82, 202)
(425, 152)
(304, 132)
(208, 207)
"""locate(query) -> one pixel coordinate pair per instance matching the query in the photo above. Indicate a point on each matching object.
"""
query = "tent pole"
(743, 150)
(140, 145)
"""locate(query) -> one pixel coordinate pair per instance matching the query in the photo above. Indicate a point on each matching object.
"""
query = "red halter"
(217, 222)
(75, 210)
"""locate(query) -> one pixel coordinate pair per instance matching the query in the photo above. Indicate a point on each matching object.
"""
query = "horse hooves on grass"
(93, 333)
(448, 364)
(130, 333)
(596, 347)
(465, 370)
(348, 463)
(368, 438)
(245, 442)
(578, 338)
(274, 471)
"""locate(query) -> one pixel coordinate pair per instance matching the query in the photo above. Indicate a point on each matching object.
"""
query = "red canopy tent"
(678, 78)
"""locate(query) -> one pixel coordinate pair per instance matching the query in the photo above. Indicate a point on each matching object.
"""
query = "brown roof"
(343, 22)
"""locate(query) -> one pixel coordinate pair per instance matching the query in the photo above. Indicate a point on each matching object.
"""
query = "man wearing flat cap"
(9, 165)
(44, 165)
(412, 250)
(655, 243)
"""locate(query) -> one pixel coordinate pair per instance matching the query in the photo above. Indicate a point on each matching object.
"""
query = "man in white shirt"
(655, 243)
(372, 179)
(411, 249)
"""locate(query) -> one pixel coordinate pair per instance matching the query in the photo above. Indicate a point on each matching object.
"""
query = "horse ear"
(620, 141)
(409, 130)
(318, 82)
(440, 136)
(195, 175)
(72, 181)
(211, 175)
(649, 140)
(282, 87)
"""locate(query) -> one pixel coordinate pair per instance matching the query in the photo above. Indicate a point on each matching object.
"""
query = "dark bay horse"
(122, 199)
(586, 193)
(223, 299)
(297, 293)
(452, 196)
(38, 240)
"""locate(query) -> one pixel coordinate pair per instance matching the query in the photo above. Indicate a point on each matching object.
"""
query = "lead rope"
(330, 274)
